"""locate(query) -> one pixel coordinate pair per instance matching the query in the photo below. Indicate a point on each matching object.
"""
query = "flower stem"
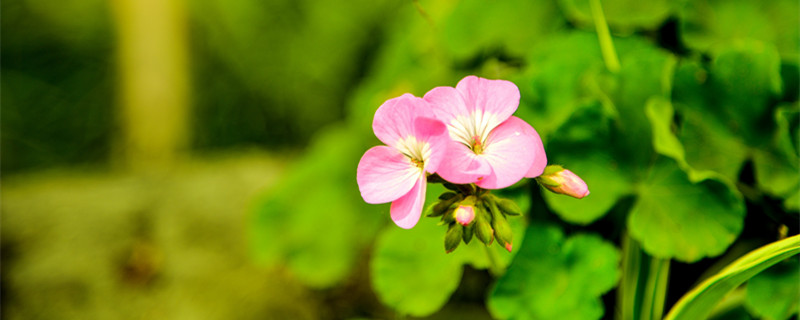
(604, 36)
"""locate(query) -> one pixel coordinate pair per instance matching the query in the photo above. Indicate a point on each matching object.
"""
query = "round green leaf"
(410, 270)
(774, 293)
(676, 218)
(552, 277)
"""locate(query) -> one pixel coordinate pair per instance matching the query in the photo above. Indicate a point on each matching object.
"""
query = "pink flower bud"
(508, 246)
(565, 182)
(465, 214)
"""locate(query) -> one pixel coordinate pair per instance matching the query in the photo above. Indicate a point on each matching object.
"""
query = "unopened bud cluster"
(469, 212)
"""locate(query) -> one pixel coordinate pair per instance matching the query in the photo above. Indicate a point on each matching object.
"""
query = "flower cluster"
(466, 135)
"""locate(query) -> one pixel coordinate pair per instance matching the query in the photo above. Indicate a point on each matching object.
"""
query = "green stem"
(631, 263)
(643, 287)
(655, 289)
(604, 36)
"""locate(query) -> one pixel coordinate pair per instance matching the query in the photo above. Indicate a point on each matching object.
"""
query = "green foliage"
(675, 217)
(699, 302)
(554, 276)
(307, 222)
(713, 24)
(410, 271)
(775, 292)
(622, 15)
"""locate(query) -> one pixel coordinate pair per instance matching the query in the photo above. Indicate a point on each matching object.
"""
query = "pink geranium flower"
(489, 146)
(415, 144)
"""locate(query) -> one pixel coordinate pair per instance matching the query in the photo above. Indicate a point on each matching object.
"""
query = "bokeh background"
(195, 159)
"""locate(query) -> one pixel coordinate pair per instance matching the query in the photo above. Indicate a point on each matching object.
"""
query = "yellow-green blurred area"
(196, 159)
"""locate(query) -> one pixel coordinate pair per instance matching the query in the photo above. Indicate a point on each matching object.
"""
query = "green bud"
(508, 207)
(453, 237)
(443, 205)
(502, 230)
(468, 232)
(546, 178)
(484, 232)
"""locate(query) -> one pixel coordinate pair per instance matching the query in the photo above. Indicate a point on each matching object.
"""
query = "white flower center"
(472, 130)
(417, 151)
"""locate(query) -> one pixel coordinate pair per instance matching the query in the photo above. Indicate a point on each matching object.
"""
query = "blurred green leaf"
(708, 142)
(410, 271)
(478, 27)
(777, 170)
(744, 78)
(775, 292)
(553, 85)
(310, 220)
(699, 302)
(622, 15)
(677, 218)
(556, 278)
(710, 24)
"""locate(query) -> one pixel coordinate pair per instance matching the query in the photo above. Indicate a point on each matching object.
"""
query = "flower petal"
(395, 119)
(540, 157)
(407, 210)
(510, 152)
(434, 133)
(447, 103)
(499, 98)
(384, 175)
(461, 165)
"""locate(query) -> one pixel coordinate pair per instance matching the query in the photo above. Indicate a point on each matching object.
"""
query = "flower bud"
(484, 232)
(453, 237)
(502, 230)
(444, 204)
(469, 231)
(563, 181)
(508, 207)
(465, 214)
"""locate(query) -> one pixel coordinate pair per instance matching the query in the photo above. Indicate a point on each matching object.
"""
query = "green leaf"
(708, 142)
(622, 15)
(775, 292)
(607, 184)
(410, 271)
(682, 218)
(556, 278)
(309, 221)
(660, 113)
(711, 24)
(698, 303)
(475, 26)
(745, 77)
(776, 168)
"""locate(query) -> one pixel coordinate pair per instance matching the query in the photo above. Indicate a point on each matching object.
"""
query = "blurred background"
(173, 159)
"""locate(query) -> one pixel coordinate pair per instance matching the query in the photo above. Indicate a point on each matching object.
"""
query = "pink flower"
(565, 182)
(415, 143)
(465, 214)
(489, 146)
